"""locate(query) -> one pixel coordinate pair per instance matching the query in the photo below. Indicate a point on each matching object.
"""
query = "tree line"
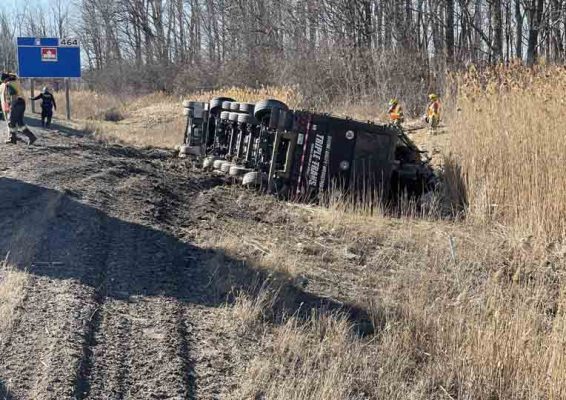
(330, 48)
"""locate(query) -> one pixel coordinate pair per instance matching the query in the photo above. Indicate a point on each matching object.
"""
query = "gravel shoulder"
(111, 305)
(145, 278)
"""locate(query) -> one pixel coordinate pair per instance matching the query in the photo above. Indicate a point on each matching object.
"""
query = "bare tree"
(326, 46)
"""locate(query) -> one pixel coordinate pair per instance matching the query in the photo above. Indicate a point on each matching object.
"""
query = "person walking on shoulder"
(14, 108)
(48, 104)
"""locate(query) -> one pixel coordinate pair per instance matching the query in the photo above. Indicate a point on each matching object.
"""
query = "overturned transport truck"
(301, 154)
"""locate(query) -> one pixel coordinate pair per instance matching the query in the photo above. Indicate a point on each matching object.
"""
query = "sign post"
(49, 58)
(32, 90)
(67, 98)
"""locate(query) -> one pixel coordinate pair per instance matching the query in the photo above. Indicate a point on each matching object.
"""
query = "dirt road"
(120, 296)
(115, 302)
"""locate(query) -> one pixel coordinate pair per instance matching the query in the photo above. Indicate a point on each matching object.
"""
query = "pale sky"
(11, 4)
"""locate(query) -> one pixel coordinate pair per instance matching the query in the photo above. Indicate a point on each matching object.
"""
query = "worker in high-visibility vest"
(395, 112)
(14, 108)
(433, 111)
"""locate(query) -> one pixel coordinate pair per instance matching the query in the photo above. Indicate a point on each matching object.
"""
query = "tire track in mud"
(142, 352)
(149, 288)
(50, 325)
(82, 382)
(120, 297)
(132, 307)
(119, 326)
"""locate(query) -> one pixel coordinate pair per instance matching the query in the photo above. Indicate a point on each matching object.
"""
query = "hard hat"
(8, 76)
(44, 90)
(432, 96)
(392, 102)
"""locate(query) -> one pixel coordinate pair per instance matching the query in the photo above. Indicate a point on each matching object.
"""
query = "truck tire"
(216, 103)
(247, 108)
(225, 167)
(224, 115)
(226, 105)
(186, 150)
(233, 116)
(264, 107)
(208, 163)
(252, 179)
(247, 119)
(238, 170)
(235, 106)
(216, 164)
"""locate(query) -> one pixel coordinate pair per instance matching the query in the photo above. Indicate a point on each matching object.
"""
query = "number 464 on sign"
(69, 42)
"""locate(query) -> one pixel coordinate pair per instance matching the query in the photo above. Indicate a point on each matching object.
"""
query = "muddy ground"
(123, 299)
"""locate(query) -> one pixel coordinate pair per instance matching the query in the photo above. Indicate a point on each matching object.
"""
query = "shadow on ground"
(454, 187)
(4, 392)
(35, 122)
(50, 234)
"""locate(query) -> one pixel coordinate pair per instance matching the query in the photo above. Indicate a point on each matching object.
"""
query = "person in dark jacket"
(48, 104)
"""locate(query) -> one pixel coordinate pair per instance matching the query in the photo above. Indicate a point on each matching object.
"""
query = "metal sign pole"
(32, 90)
(68, 98)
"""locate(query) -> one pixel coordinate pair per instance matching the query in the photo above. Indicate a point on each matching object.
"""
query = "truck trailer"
(301, 154)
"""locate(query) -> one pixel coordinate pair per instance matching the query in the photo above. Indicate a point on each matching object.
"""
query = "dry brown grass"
(316, 360)
(473, 309)
(461, 310)
(86, 104)
(509, 141)
(289, 95)
(446, 329)
(155, 120)
(372, 111)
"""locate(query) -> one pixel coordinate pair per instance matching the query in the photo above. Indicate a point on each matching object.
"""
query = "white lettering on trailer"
(325, 163)
(318, 145)
(315, 166)
(309, 164)
(316, 158)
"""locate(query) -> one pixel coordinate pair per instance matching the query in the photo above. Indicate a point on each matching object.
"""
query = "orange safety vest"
(395, 112)
(433, 109)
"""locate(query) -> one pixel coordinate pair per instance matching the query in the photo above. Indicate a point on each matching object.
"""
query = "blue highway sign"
(49, 58)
